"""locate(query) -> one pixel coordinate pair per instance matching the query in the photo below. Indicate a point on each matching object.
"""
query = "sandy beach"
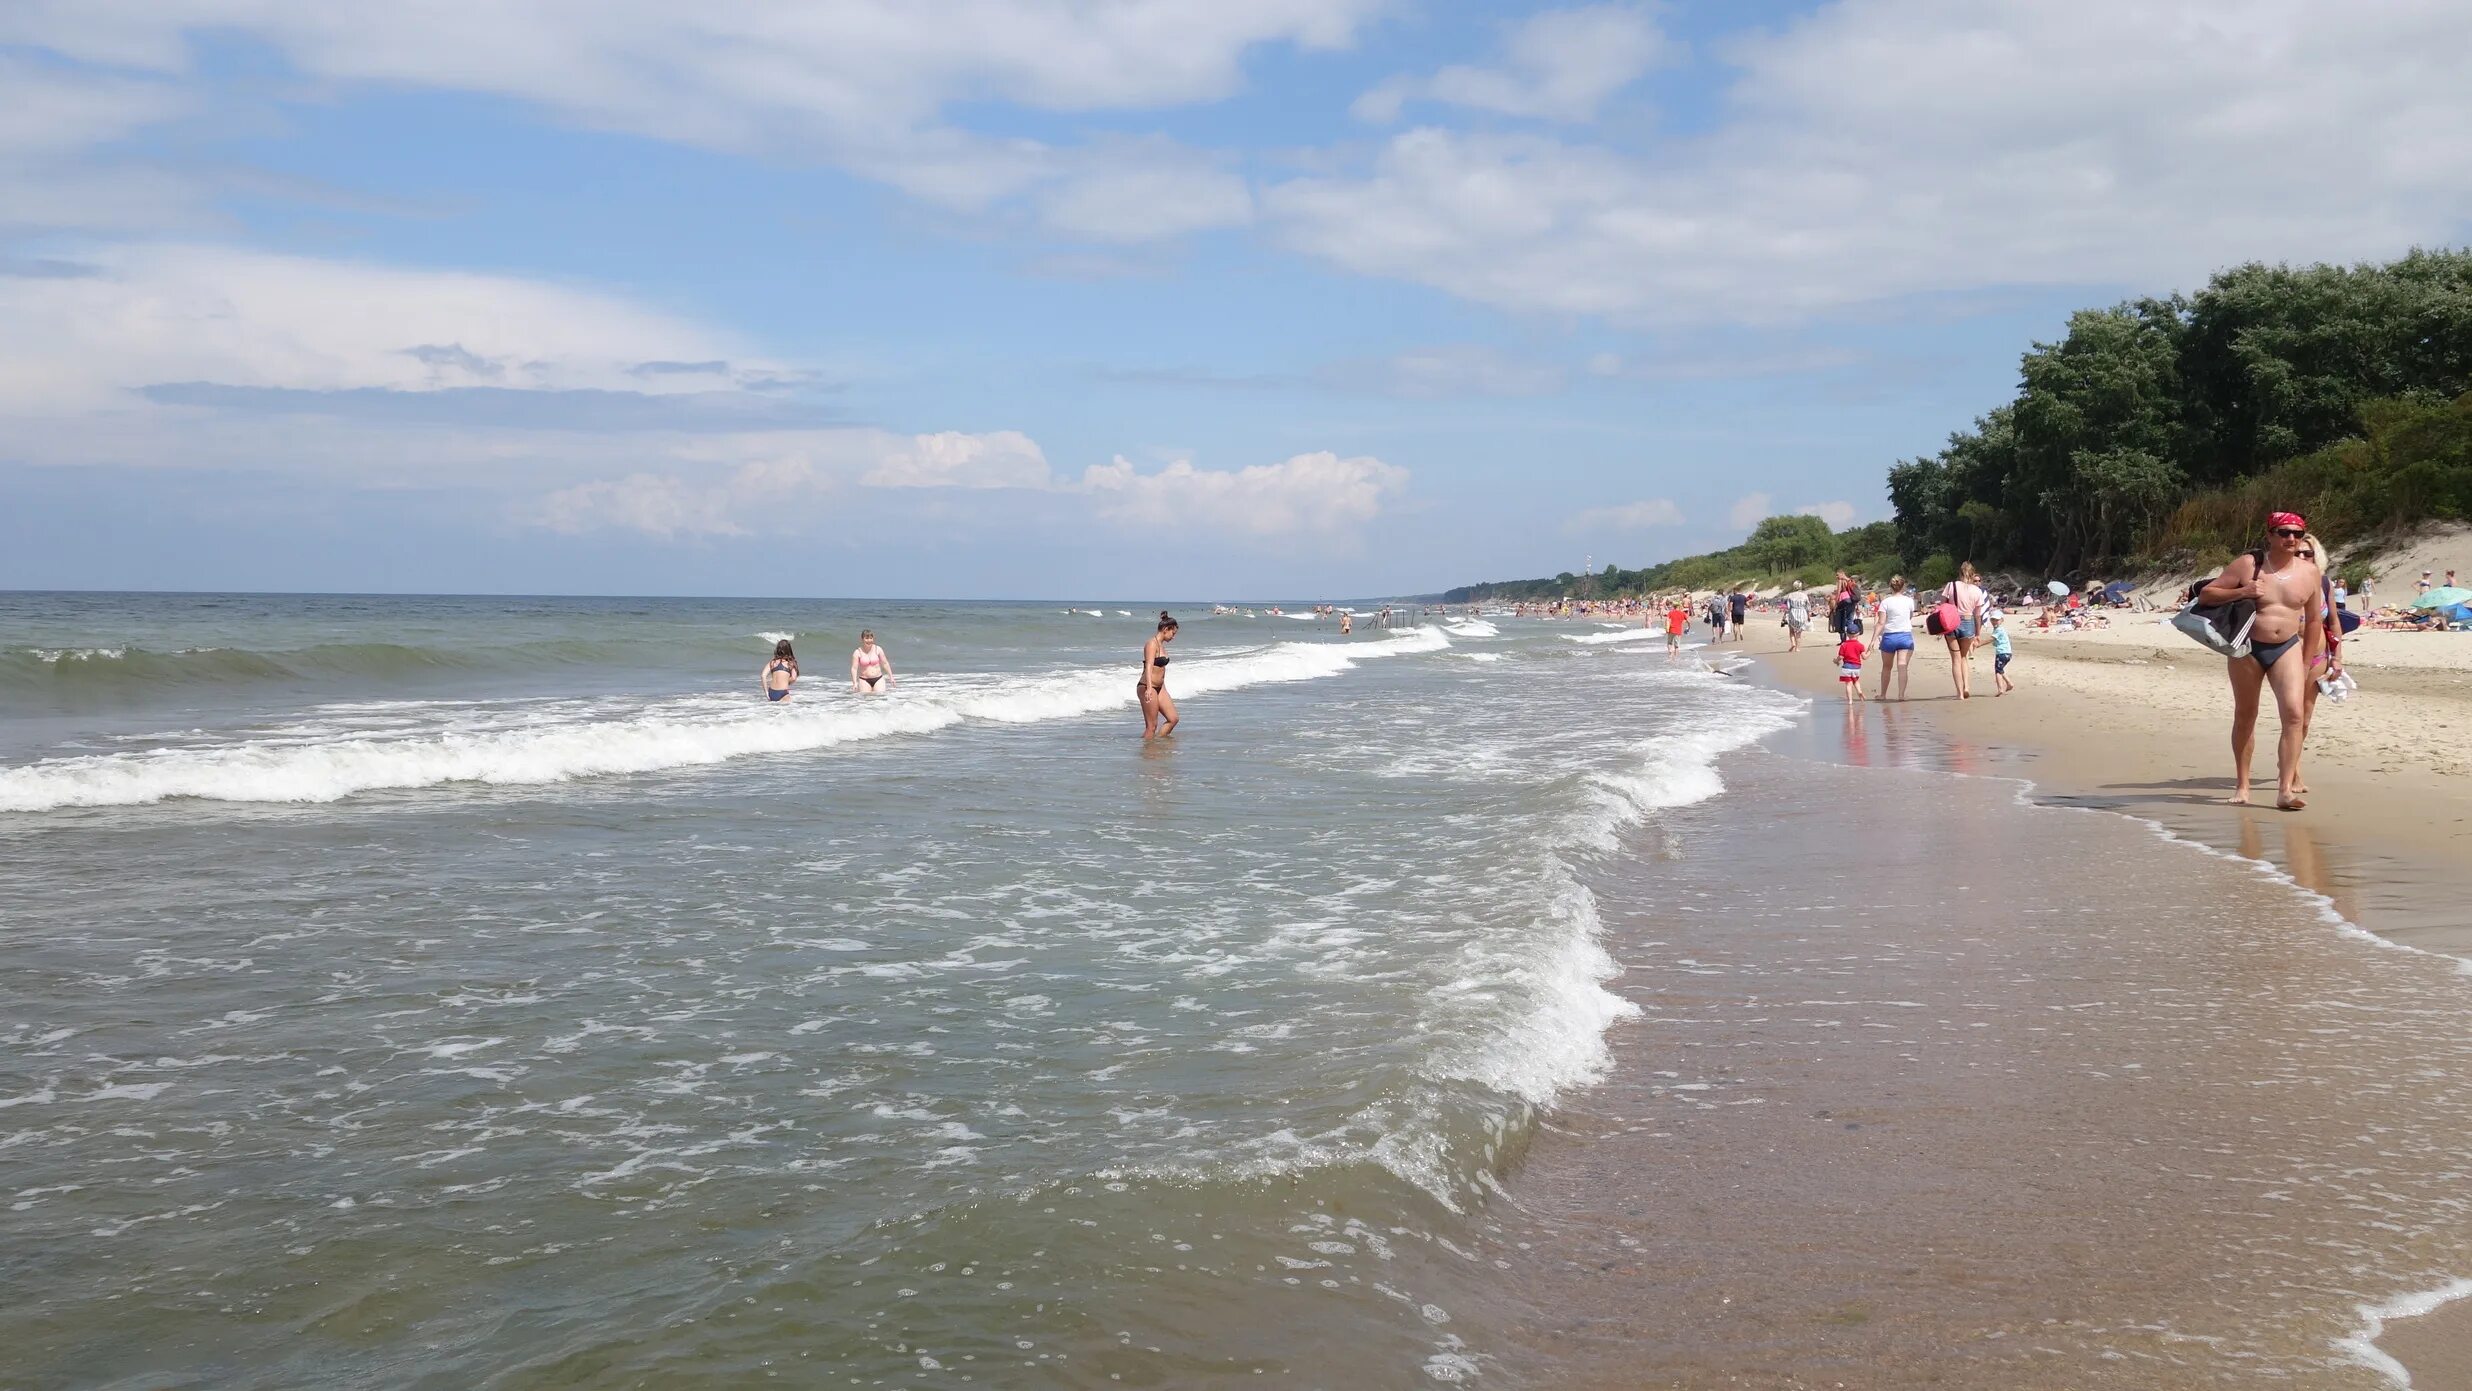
(2135, 718)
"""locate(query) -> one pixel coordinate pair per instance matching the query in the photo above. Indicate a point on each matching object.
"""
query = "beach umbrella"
(2460, 613)
(2058, 590)
(2445, 596)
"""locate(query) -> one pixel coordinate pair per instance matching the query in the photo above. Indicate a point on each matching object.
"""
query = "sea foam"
(680, 733)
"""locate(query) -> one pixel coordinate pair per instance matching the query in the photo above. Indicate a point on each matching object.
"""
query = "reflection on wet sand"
(1984, 1095)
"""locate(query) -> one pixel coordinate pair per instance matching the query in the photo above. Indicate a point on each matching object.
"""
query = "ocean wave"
(1618, 635)
(681, 733)
(1679, 769)
(1473, 628)
(1555, 1039)
(71, 672)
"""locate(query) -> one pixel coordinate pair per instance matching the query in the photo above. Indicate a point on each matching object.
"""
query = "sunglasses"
(2290, 531)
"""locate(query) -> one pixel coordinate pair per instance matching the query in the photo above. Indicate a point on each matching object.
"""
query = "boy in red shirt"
(1850, 668)
(1677, 618)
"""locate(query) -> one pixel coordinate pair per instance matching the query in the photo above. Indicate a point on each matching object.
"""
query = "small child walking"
(1850, 668)
(2000, 653)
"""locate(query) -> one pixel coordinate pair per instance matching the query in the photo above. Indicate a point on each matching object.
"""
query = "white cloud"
(861, 84)
(147, 315)
(658, 505)
(1750, 510)
(1629, 516)
(952, 459)
(51, 124)
(1838, 515)
(1559, 65)
(1882, 148)
(1146, 196)
(1309, 493)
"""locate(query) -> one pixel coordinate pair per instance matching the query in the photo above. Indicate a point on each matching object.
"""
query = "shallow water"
(477, 992)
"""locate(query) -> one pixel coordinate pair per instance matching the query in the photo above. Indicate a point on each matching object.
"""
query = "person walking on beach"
(780, 673)
(1738, 606)
(1797, 618)
(1896, 637)
(2290, 614)
(1965, 595)
(871, 667)
(2000, 654)
(1676, 619)
(1843, 608)
(1150, 685)
(2326, 671)
(1850, 669)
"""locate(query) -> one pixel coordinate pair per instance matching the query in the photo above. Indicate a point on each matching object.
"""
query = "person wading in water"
(1150, 687)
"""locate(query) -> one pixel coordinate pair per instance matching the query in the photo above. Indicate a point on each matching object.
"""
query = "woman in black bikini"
(781, 672)
(871, 668)
(1150, 686)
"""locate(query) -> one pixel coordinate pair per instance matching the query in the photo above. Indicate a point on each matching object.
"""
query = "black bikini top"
(1158, 661)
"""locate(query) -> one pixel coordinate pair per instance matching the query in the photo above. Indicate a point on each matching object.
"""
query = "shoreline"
(2380, 841)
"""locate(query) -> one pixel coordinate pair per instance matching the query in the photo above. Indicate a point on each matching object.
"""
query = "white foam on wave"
(680, 733)
(1557, 1039)
(1679, 768)
(776, 637)
(1620, 635)
(54, 656)
(1473, 628)
(2362, 1347)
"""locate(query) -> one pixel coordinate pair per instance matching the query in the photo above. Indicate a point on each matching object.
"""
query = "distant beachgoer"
(2000, 654)
(1739, 605)
(2423, 586)
(1966, 592)
(871, 667)
(2290, 614)
(1797, 618)
(1850, 668)
(781, 672)
(1150, 685)
(1676, 619)
(1896, 636)
(1347, 624)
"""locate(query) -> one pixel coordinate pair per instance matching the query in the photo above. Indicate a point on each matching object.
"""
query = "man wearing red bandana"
(2287, 644)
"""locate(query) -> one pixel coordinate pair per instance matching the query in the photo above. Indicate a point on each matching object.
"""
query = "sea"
(498, 992)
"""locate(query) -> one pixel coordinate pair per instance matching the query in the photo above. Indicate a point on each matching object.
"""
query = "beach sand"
(2135, 718)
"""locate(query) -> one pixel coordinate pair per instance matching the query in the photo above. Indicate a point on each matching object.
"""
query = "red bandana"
(2284, 519)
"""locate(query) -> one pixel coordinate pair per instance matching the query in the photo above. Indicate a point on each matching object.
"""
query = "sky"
(1133, 299)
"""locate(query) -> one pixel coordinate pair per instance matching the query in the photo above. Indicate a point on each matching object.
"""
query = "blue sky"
(1143, 298)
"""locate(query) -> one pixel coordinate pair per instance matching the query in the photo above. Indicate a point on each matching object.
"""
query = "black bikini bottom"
(2266, 654)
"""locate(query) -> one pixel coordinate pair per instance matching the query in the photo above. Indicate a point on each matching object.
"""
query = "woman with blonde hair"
(1964, 596)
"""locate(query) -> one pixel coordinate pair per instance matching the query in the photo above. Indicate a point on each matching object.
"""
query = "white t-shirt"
(1896, 613)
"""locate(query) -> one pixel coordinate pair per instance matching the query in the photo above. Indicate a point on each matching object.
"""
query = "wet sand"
(2136, 726)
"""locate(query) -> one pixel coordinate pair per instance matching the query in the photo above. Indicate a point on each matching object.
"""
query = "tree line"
(2156, 433)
